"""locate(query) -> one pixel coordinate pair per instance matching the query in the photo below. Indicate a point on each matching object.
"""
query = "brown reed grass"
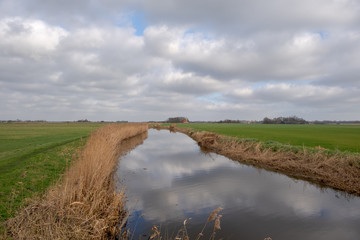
(183, 233)
(84, 205)
(337, 170)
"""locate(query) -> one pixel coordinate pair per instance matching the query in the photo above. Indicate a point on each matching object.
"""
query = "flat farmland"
(32, 157)
(332, 137)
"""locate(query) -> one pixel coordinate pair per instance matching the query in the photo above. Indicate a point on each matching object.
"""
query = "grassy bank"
(338, 170)
(340, 137)
(33, 156)
(20, 140)
(84, 204)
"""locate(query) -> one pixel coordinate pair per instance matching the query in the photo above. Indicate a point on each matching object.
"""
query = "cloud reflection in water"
(169, 179)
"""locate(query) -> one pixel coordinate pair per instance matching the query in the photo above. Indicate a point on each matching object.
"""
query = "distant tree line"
(18, 120)
(285, 120)
(177, 120)
(83, 120)
(233, 121)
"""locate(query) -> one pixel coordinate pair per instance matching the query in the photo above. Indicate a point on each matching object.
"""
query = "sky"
(148, 60)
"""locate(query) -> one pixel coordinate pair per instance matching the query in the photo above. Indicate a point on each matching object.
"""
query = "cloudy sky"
(141, 60)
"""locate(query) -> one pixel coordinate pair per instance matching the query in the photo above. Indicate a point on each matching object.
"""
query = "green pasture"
(33, 156)
(332, 137)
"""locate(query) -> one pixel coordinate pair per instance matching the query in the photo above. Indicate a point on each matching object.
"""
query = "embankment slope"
(84, 205)
(338, 170)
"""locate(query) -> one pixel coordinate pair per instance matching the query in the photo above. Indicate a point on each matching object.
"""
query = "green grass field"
(333, 137)
(33, 156)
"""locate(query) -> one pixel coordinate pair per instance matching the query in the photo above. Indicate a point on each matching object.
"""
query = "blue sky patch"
(212, 98)
(139, 23)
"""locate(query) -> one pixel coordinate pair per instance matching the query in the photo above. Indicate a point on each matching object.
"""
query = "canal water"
(169, 179)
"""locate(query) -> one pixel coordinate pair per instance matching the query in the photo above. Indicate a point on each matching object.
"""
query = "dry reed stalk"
(183, 233)
(213, 216)
(84, 205)
(340, 171)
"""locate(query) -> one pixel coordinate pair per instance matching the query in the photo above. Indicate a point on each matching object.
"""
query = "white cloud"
(244, 60)
(29, 38)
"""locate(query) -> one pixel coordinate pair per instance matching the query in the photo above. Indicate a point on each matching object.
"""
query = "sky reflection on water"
(169, 179)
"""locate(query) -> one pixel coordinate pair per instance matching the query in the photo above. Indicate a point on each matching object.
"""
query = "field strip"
(84, 204)
(19, 159)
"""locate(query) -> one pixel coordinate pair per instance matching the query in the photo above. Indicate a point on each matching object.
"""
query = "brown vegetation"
(182, 234)
(84, 205)
(340, 171)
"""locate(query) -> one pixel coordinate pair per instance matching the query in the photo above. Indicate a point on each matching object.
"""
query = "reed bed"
(84, 204)
(183, 234)
(338, 170)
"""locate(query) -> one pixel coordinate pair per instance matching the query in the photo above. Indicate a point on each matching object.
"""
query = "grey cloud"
(298, 98)
(289, 56)
(343, 61)
(268, 59)
(239, 17)
(230, 16)
(68, 77)
(85, 58)
(66, 13)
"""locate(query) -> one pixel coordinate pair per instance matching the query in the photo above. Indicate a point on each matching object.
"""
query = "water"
(169, 179)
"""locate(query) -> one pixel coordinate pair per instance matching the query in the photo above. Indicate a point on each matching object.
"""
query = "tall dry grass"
(183, 234)
(84, 205)
(340, 171)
